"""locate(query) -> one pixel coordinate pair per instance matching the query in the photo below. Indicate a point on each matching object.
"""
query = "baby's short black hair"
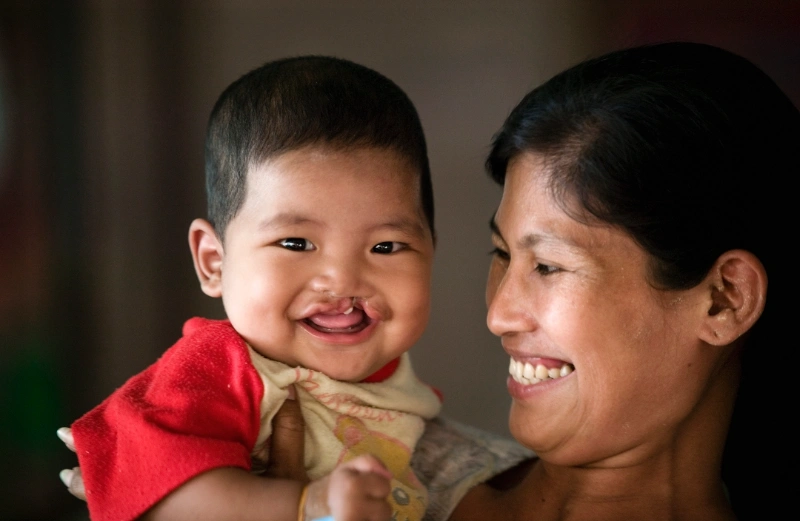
(291, 103)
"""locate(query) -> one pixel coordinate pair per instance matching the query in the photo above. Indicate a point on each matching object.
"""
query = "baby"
(319, 240)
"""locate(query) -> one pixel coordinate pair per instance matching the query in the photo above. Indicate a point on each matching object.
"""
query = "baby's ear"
(207, 254)
(737, 286)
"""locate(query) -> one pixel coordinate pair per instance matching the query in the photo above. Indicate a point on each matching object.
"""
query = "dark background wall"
(102, 112)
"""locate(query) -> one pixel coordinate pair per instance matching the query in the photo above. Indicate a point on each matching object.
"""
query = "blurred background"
(103, 106)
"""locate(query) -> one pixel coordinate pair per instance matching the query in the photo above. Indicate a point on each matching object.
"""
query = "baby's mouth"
(351, 321)
(532, 374)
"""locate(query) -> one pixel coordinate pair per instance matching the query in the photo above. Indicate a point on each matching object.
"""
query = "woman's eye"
(500, 254)
(296, 244)
(388, 247)
(544, 269)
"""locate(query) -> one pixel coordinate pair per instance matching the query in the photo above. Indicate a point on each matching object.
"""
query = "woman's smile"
(534, 372)
(586, 332)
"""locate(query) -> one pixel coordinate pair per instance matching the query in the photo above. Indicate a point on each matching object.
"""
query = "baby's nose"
(341, 279)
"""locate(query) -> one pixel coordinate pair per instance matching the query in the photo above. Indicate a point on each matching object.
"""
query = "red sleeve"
(196, 409)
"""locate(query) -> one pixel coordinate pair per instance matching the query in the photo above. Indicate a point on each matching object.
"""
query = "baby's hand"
(354, 491)
(71, 477)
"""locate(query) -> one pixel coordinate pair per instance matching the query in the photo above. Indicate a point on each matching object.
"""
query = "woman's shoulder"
(451, 458)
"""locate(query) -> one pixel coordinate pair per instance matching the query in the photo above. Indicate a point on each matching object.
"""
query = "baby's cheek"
(417, 318)
(419, 303)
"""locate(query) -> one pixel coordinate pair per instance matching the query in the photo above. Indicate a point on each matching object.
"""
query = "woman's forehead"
(528, 196)
(530, 213)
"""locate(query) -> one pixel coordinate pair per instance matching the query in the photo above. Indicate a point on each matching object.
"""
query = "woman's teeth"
(527, 374)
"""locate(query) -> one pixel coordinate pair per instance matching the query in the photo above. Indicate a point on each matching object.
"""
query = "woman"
(639, 225)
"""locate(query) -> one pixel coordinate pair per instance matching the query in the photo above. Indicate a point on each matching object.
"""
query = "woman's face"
(575, 299)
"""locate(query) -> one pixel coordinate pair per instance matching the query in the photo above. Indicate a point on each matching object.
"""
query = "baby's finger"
(375, 485)
(368, 464)
(74, 481)
(348, 484)
(364, 499)
(65, 435)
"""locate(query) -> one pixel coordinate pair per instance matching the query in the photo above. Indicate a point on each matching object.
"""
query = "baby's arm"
(229, 494)
(355, 490)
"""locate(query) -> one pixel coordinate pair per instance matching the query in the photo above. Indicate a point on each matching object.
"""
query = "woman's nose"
(509, 303)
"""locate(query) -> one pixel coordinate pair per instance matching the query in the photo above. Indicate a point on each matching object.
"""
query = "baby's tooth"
(512, 367)
(535, 381)
(554, 372)
(529, 371)
(565, 369)
(541, 372)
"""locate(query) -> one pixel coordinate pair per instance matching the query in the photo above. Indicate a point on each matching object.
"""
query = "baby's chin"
(376, 372)
(349, 375)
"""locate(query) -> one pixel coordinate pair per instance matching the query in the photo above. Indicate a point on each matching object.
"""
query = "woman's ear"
(737, 285)
(207, 254)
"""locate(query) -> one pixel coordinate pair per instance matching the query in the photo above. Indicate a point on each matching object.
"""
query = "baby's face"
(328, 263)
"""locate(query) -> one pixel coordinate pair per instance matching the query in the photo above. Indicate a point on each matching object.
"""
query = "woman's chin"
(536, 429)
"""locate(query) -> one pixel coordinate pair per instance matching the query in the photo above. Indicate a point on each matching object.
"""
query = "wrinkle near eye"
(546, 269)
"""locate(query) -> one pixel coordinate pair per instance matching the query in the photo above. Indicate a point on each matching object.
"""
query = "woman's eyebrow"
(532, 239)
(494, 228)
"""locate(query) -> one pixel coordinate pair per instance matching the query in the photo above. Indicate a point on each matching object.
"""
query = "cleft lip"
(332, 326)
(369, 310)
(330, 307)
(340, 315)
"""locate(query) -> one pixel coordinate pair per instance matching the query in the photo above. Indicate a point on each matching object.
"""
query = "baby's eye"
(388, 247)
(296, 244)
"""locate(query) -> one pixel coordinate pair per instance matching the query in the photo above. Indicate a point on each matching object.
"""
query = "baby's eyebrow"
(407, 226)
(284, 219)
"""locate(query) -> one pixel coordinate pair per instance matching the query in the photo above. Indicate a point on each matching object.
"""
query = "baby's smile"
(347, 321)
(352, 320)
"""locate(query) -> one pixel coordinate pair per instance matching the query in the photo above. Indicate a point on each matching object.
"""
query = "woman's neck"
(655, 490)
(674, 478)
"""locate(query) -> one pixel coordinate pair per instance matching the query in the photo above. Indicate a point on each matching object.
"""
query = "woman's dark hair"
(304, 101)
(691, 150)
